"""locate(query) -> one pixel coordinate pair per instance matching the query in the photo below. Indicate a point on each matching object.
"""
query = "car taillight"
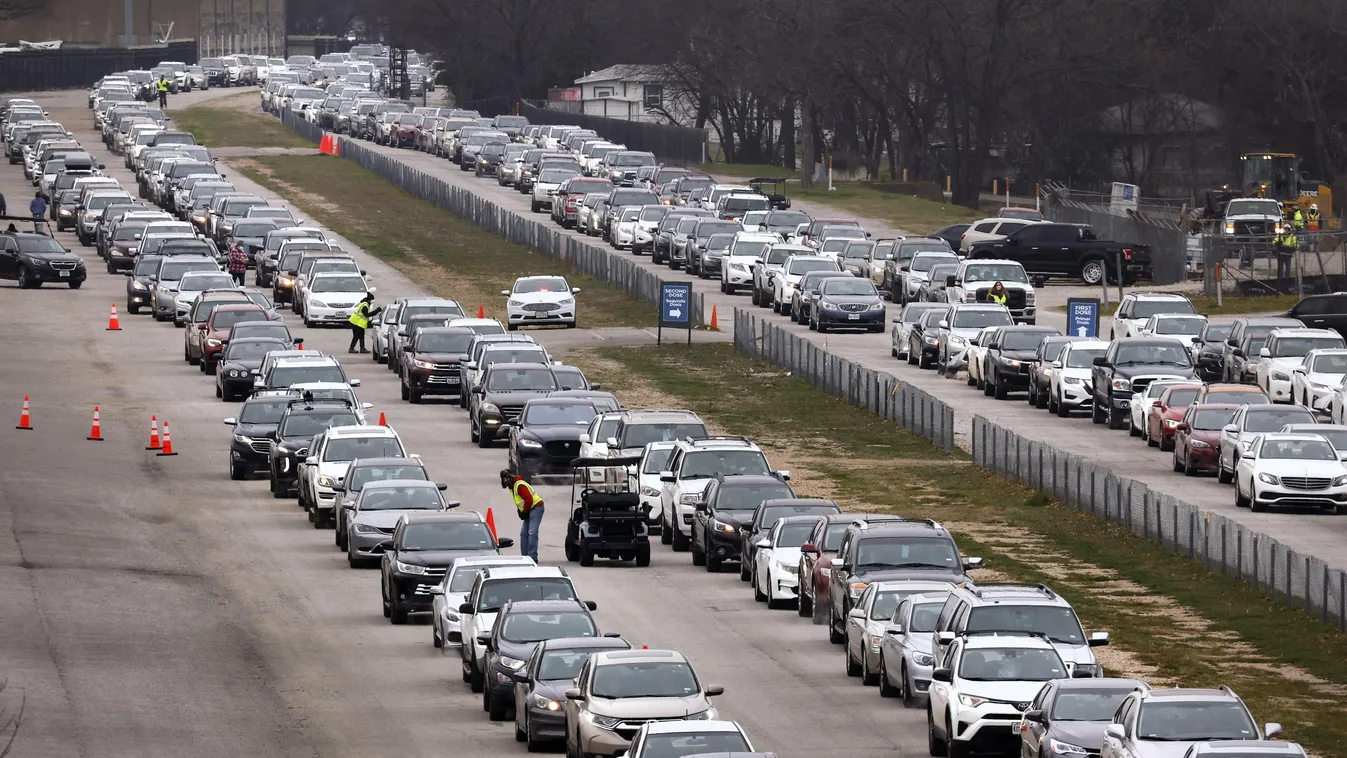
(1127, 253)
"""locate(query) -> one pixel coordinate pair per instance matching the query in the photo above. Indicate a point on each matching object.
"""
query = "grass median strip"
(1230, 305)
(1173, 622)
(235, 122)
(433, 247)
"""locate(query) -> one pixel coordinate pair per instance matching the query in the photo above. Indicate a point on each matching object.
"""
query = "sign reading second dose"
(676, 303)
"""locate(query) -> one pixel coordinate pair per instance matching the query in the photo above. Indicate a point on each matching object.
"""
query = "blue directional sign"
(1082, 317)
(675, 304)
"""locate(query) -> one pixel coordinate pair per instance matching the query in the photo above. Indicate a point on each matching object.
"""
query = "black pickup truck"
(1068, 250)
(1130, 364)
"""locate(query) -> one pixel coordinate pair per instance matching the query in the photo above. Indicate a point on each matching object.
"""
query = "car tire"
(758, 594)
(1115, 420)
(853, 668)
(1000, 391)
(1096, 413)
(665, 532)
(1221, 475)
(1179, 467)
(834, 636)
(132, 308)
(414, 397)
(494, 711)
(237, 471)
(868, 678)
(886, 689)
(747, 571)
(681, 544)
(934, 745)
(804, 607)
(1134, 431)
(405, 394)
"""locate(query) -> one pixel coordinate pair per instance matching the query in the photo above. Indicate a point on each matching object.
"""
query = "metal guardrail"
(1219, 543)
(297, 124)
(878, 392)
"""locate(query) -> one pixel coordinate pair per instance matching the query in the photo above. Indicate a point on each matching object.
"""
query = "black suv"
(545, 437)
(36, 258)
(1010, 353)
(519, 627)
(727, 505)
(766, 516)
(501, 396)
(240, 360)
(302, 420)
(420, 551)
(1131, 364)
(255, 432)
(890, 551)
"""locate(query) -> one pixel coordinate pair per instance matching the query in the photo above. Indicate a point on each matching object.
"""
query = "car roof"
(515, 572)
(494, 560)
(900, 526)
(636, 656)
(1181, 694)
(1302, 332)
(1157, 296)
(387, 461)
(655, 415)
(1012, 594)
(983, 640)
(1109, 683)
(466, 517)
(393, 483)
(536, 606)
(737, 479)
(574, 643)
(1244, 747)
(683, 727)
(295, 360)
(361, 430)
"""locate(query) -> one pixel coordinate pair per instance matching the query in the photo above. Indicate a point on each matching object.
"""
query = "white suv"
(986, 682)
(332, 296)
(784, 281)
(1137, 308)
(1070, 387)
(772, 260)
(330, 456)
(1284, 353)
(1153, 723)
(691, 467)
(742, 255)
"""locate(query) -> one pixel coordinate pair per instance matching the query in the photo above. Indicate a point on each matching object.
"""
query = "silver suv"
(638, 428)
(692, 465)
(1158, 723)
(1018, 608)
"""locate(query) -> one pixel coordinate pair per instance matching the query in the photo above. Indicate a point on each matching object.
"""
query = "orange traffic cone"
(96, 432)
(715, 321)
(335, 146)
(168, 442)
(382, 421)
(481, 311)
(25, 422)
(491, 523)
(113, 326)
(154, 434)
(325, 145)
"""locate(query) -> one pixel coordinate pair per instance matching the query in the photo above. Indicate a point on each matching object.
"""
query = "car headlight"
(968, 701)
(877, 306)
(545, 703)
(1171, 423)
(1340, 481)
(1066, 748)
(243, 439)
(423, 364)
(825, 303)
(1072, 380)
(408, 568)
(1011, 362)
(530, 443)
(789, 568)
(691, 498)
(1268, 479)
(138, 286)
(212, 343)
(566, 301)
(516, 303)
(326, 481)
(287, 281)
(1203, 445)
(606, 722)
(490, 408)
(65, 211)
(366, 529)
(702, 716)
(1318, 385)
(649, 492)
(1281, 377)
(317, 303)
(929, 339)
(922, 659)
(236, 373)
(514, 664)
(724, 528)
(1121, 384)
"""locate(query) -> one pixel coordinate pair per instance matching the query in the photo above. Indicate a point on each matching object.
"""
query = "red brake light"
(1127, 253)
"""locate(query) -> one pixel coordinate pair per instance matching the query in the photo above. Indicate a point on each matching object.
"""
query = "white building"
(631, 92)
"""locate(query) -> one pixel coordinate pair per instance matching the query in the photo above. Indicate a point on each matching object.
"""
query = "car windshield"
(678, 745)
(284, 376)
(223, 318)
(886, 603)
(1185, 326)
(980, 318)
(644, 679)
(522, 380)
(250, 350)
(337, 284)
(804, 267)
(1011, 665)
(747, 497)
(309, 424)
(541, 284)
(263, 411)
(559, 414)
(995, 272)
(449, 309)
(348, 449)
(447, 535)
(172, 271)
(536, 627)
(556, 175)
(1058, 623)
(1023, 340)
(1309, 450)
(794, 534)
(923, 263)
(1086, 705)
(410, 498)
(655, 459)
(705, 464)
(497, 592)
(254, 228)
(148, 265)
(430, 342)
(653, 213)
(1152, 354)
(1182, 398)
(195, 282)
(738, 205)
(640, 435)
(570, 377)
(1272, 419)
(1333, 363)
(1179, 721)
(913, 313)
(832, 536)
(907, 552)
(845, 286)
(1297, 347)
(1147, 308)
(358, 477)
(1216, 418)
(774, 513)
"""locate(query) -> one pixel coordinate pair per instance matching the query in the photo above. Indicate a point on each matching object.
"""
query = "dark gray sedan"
(847, 304)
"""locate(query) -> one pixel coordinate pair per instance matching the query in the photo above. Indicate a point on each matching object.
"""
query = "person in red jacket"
(238, 264)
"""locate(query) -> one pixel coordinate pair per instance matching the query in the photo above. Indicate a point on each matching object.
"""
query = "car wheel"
(680, 543)
(1221, 475)
(665, 532)
(713, 563)
(868, 678)
(643, 555)
(1096, 413)
(1133, 430)
(747, 571)
(934, 745)
(414, 397)
(494, 710)
(804, 607)
(586, 553)
(1000, 391)
(758, 594)
(1115, 419)
(834, 636)
(1178, 466)
(853, 668)
(1093, 271)
(1254, 504)
(237, 471)
(26, 280)
(886, 688)
(405, 394)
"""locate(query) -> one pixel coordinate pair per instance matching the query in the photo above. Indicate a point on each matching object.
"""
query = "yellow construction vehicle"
(1278, 175)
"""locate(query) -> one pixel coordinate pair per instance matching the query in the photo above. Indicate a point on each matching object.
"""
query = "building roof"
(629, 72)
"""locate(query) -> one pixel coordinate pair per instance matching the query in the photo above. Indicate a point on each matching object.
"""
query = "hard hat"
(1314, 206)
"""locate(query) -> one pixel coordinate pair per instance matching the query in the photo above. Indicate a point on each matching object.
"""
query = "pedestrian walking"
(360, 322)
(529, 506)
(238, 264)
(4, 210)
(37, 209)
(162, 86)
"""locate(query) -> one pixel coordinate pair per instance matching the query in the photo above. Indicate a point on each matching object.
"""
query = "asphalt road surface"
(153, 607)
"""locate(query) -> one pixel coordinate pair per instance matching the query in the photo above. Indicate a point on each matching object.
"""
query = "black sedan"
(546, 436)
(250, 234)
(36, 258)
(847, 304)
(239, 364)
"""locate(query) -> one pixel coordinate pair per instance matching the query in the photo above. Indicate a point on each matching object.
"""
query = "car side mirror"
(972, 563)
(465, 607)
(312, 460)
(1230, 429)
(595, 386)
(1182, 427)
(809, 548)
(713, 690)
(408, 349)
(762, 544)
(944, 638)
(505, 542)
(701, 507)
(950, 281)
(1264, 353)
(353, 382)
(584, 438)
(506, 293)
(574, 694)
(943, 324)
(1237, 353)
(941, 675)
(783, 475)
(1101, 360)
(836, 563)
(1271, 729)
(1035, 716)
(231, 421)
(856, 613)
(575, 290)
(1056, 364)
(1116, 731)
(666, 476)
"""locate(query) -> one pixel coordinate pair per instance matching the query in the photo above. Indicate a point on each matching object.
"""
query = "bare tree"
(12, 9)
(10, 721)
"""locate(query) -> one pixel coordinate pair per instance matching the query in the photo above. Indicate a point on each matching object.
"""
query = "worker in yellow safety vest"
(997, 294)
(359, 321)
(1312, 218)
(529, 505)
(1285, 244)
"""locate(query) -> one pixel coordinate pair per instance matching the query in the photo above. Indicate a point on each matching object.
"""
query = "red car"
(216, 330)
(1197, 437)
(1164, 416)
(816, 559)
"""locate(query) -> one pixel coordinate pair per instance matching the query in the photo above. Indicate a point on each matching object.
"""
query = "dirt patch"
(301, 198)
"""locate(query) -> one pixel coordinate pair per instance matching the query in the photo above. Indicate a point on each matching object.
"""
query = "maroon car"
(430, 362)
(1198, 435)
(216, 330)
(816, 559)
(1163, 417)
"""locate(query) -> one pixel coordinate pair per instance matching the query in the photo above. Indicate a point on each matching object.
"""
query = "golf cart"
(607, 518)
(776, 197)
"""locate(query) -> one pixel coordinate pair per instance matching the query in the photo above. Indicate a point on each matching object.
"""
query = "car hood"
(1019, 355)
(520, 651)
(1173, 412)
(1019, 693)
(254, 430)
(539, 297)
(1078, 373)
(335, 469)
(1087, 734)
(440, 357)
(863, 299)
(51, 257)
(438, 558)
(1287, 363)
(966, 333)
(248, 364)
(381, 519)
(1159, 371)
(1295, 468)
(790, 556)
(1332, 380)
(553, 689)
(650, 707)
(921, 575)
(550, 432)
(1155, 749)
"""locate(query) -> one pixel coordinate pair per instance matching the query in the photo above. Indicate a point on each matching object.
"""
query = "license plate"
(63, 273)
(343, 314)
(853, 317)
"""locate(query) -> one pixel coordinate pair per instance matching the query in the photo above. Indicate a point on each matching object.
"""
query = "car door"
(1230, 440)
(837, 573)
(1031, 732)
(669, 488)
(855, 627)
(939, 692)
(468, 623)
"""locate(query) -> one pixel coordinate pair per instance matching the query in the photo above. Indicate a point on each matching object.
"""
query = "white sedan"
(977, 351)
(1070, 388)
(1295, 470)
(1317, 382)
(331, 297)
(776, 563)
(539, 301)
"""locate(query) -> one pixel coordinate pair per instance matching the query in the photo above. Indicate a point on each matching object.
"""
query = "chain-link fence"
(297, 124)
(1219, 543)
(1165, 236)
(880, 393)
(1254, 264)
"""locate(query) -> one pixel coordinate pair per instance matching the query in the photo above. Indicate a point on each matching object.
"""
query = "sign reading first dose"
(1082, 317)
(675, 304)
